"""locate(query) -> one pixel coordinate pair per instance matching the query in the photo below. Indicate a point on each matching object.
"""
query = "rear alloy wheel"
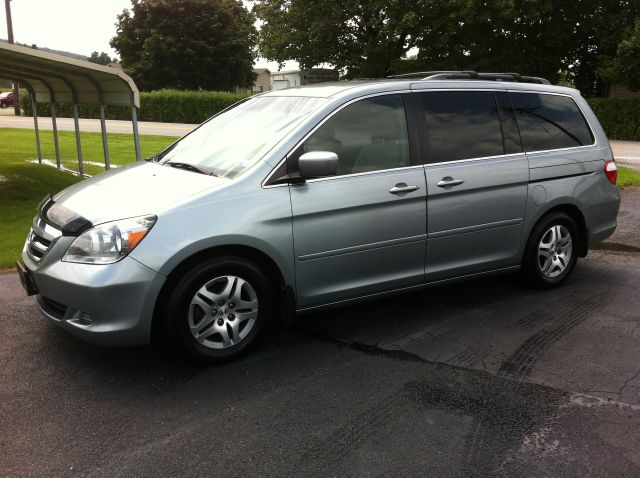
(555, 251)
(551, 251)
(218, 309)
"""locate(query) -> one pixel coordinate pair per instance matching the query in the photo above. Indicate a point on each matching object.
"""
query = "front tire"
(552, 251)
(218, 309)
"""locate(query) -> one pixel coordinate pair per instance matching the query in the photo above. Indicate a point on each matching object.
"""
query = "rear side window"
(461, 125)
(549, 122)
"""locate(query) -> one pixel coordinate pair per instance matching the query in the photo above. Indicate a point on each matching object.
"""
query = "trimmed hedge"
(166, 106)
(620, 118)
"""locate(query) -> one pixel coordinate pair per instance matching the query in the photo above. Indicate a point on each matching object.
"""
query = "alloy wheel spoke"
(203, 324)
(242, 316)
(224, 333)
(235, 331)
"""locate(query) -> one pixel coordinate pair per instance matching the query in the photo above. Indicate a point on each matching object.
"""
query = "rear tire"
(218, 309)
(552, 251)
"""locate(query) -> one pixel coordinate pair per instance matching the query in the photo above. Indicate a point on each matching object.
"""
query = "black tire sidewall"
(176, 314)
(532, 270)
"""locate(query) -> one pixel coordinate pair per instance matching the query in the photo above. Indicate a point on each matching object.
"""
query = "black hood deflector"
(58, 216)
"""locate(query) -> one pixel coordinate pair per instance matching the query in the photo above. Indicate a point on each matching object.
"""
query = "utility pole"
(16, 91)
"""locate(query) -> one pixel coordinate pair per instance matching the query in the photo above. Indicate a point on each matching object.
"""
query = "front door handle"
(403, 188)
(448, 181)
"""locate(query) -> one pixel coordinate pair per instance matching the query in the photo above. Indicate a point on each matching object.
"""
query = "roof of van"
(333, 89)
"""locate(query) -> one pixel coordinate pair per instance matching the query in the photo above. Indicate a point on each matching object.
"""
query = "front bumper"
(108, 305)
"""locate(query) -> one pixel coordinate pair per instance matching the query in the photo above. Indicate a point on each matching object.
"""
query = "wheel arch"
(260, 258)
(572, 210)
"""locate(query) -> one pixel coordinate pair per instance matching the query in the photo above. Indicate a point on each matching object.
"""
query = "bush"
(167, 106)
(620, 118)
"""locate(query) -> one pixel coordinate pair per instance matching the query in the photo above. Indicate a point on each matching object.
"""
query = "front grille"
(40, 239)
(54, 308)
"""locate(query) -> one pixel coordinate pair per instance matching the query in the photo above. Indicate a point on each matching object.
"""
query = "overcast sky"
(78, 26)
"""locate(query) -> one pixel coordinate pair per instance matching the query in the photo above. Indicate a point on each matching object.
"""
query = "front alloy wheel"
(223, 312)
(218, 308)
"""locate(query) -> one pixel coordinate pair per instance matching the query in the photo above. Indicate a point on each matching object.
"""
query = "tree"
(624, 67)
(187, 44)
(360, 38)
(100, 58)
(535, 37)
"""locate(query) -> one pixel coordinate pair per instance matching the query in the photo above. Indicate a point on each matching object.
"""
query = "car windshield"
(232, 142)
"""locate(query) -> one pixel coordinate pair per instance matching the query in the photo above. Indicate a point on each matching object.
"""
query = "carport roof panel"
(45, 72)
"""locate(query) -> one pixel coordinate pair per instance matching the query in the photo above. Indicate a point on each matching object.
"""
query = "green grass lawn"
(24, 184)
(628, 177)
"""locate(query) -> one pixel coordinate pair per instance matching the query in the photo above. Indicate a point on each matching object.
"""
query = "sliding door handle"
(449, 181)
(403, 188)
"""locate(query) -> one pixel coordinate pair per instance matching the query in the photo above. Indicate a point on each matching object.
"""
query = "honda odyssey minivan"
(306, 198)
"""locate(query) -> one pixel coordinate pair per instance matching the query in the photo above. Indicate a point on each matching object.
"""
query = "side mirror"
(317, 164)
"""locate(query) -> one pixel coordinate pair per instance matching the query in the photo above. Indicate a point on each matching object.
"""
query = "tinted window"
(461, 125)
(510, 134)
(549, 122)
(368, 135)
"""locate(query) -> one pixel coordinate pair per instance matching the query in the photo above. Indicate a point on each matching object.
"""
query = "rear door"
(362, 231)
(476, 178)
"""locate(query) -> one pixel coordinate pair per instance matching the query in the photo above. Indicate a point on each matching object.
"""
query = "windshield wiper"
(190, 167)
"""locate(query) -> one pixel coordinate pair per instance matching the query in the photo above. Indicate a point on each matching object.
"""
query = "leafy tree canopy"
(101, 58)
(535, 37)
(362, 38)
(187, 44)
(624, 67)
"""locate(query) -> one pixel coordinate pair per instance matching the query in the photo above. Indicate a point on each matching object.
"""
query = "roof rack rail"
(472, 75)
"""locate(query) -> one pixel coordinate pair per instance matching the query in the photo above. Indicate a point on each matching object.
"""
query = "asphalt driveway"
(487, 377)
(483, 378)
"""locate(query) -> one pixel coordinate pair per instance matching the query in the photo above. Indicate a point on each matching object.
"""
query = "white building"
(291, 78)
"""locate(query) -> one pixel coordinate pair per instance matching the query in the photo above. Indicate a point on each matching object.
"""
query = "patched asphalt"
(483, 378)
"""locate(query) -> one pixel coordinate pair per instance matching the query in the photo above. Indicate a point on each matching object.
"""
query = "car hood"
(134, 190)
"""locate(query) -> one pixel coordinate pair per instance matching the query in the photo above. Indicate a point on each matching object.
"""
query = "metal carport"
(53, 79)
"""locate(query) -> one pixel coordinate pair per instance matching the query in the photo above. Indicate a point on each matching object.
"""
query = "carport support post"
(103, 127)
(34, 107)
(55, 132)
(136, 136)
(76, 122)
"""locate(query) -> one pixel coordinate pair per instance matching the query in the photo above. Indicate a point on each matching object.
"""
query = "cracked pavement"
(482, 378)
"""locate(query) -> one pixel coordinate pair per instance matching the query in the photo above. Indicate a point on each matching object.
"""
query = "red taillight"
(611, 171)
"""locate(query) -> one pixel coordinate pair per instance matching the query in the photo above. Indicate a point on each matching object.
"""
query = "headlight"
(109, 242)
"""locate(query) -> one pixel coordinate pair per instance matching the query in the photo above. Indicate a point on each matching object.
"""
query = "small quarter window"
(461, 125)
(368, 135)
(549, 122)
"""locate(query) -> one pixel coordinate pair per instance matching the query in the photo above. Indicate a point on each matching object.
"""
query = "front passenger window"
(368, 135)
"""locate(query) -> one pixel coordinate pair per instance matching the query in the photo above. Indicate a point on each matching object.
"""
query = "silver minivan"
(307, 198)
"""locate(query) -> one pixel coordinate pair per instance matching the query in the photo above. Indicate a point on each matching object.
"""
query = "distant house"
(261, 83)
(263, 80)
(291, 78)
(619, 91)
